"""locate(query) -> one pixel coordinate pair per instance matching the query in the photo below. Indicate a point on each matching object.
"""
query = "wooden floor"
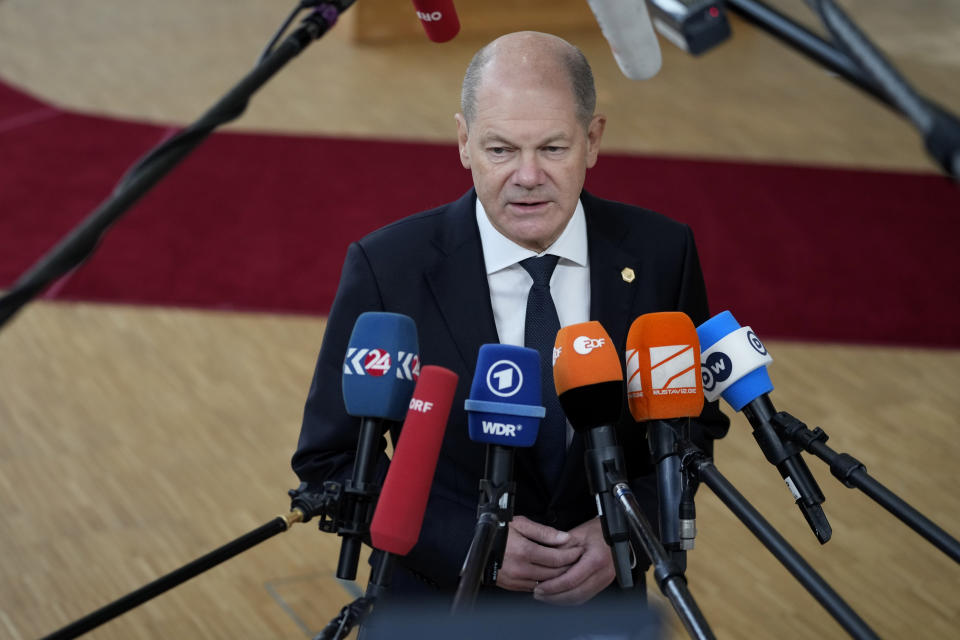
(136, 439)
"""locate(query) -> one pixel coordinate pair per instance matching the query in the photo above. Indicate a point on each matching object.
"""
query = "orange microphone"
(664, 383)
(663, 367)
(589, 382)
(587, 375)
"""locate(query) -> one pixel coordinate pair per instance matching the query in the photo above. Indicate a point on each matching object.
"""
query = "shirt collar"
(499, 252)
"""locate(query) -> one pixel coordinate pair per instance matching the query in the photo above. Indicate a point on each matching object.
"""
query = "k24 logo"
(377, 362)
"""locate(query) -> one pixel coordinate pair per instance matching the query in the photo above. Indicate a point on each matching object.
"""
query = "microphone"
(693, 25)
(439, 19)
(379, 374)
(663, 359)
(589, 382)
(734, 367)
(503, 412)
(627, 29)
(403, 501)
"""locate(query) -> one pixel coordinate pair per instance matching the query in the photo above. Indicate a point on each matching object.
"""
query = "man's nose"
(529, 173)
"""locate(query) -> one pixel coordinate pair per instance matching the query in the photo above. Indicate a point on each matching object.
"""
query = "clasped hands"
(559, 567)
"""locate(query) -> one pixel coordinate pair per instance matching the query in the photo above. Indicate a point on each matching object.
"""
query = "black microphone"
(695, 26)
(589, 382)
(734, 367)
(379, 373)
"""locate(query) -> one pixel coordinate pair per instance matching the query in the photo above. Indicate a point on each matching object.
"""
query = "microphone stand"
(360, 496)
(666, 572)
(603, 457)
(794, 471)
(853, 474)
(676, 535)
(83, 240)
(695, 461)
(305, 505)
(381, 574)
(860, 62)
(471, 576)
(494, 513)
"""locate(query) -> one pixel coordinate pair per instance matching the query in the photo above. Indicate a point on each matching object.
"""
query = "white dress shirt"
(510, 283)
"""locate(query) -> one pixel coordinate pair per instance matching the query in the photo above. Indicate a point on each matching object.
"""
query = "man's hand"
(536, 553)
(588, 576)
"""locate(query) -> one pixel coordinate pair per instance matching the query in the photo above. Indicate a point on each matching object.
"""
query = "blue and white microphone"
(503, 411)
(733, 365)
(380, 371)
(504, 404)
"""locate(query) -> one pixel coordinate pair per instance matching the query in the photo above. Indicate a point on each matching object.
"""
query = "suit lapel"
(458, 282)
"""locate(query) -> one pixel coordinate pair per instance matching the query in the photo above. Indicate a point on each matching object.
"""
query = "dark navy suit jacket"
(430, 267)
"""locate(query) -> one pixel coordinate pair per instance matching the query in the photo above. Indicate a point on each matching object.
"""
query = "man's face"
(528, 154)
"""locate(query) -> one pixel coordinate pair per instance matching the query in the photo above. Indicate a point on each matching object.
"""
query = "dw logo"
(755, 343)
(504, 378)
(717, 368)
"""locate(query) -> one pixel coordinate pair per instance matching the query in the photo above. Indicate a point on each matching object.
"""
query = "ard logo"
(504, 378)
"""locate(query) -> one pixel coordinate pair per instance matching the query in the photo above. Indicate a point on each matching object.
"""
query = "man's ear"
(462, 140)
(594, 135)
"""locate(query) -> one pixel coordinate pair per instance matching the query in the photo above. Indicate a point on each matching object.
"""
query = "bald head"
(530, 58)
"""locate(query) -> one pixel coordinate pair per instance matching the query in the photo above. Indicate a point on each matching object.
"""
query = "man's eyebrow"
(493, 137)
(556, 137)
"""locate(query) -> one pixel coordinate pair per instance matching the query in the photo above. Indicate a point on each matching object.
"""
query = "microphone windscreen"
(734, 361)
(381, 366)
(587, 375)
(628, 30)
(399, 515)
(663, 367)
(439, 19)
(504, 405)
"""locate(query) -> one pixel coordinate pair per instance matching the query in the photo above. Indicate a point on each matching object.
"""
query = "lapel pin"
(628, 275)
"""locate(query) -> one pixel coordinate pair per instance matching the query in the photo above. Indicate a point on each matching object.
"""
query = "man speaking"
(522, 254)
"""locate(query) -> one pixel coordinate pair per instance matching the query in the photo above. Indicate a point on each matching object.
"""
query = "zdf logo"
(584, 345)
(433, 16)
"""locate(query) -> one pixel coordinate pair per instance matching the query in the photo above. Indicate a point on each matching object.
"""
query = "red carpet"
(261, 222)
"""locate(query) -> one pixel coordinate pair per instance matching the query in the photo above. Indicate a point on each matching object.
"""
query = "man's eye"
(554, 149)
(498, 150)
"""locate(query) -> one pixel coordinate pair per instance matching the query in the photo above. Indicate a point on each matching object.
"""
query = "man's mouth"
(528, 206)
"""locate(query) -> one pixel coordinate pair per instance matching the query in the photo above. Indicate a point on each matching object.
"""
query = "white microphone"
(627, 28)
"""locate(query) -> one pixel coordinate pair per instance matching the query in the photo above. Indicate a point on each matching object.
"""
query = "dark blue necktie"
(540, 333)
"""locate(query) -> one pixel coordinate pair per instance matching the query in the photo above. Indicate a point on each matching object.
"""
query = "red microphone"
(439, 19)
(403, 500)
